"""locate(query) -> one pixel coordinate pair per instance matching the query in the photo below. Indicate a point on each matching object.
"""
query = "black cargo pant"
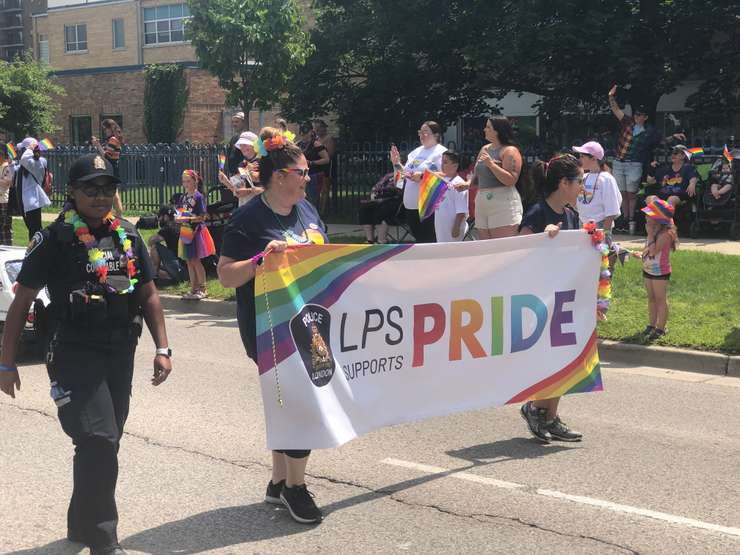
(98, 376)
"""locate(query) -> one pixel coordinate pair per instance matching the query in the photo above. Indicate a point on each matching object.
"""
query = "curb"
(685, 360)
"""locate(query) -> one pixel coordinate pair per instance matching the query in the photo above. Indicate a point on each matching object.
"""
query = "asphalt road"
(658, 472)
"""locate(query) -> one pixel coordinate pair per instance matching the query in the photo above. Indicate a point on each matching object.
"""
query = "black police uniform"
(91, 356)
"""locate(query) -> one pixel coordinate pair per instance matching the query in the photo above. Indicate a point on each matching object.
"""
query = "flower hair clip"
(276, 142)
(259, 147)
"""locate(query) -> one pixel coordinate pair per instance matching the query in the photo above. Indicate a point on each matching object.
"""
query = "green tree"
(251, 46)
(165, 99)
(27, 98)
(382, 66)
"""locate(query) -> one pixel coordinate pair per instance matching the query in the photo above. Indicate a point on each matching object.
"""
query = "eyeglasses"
(425, 133)
(302, 172)
(92, 191)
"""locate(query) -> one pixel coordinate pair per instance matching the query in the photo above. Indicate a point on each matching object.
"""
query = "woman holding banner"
(559, 182)
(428, 156)
(271, 221)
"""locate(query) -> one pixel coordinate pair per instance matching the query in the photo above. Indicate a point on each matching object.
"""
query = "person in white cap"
(233, 155)
(244, 183)
(31, 193)
(600, 199)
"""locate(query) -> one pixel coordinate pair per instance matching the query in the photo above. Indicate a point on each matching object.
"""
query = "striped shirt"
(660, 264)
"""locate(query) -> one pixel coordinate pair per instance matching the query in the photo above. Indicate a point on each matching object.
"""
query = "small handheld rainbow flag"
(11, 150)
(46, 144)
(221, 161)
(696, 151)
(726, 154)
(432, 191)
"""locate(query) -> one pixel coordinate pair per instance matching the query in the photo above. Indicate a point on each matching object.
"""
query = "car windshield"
(13, 268)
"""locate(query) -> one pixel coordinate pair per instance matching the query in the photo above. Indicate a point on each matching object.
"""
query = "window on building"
(75, 38)
(119, 41)
(44, 48)
(80, 129)
(165, 24)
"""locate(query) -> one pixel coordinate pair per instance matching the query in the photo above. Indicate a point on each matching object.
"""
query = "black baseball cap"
(90, 166)
(641, 109)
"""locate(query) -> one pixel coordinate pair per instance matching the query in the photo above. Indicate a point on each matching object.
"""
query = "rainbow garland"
(604, 291)
(95, 255)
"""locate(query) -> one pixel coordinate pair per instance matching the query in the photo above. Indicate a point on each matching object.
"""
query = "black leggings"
(32, 219)
(423, 230)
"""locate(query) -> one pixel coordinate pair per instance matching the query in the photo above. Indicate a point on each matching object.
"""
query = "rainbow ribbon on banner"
(727, 155)
(221, 161)
(46, 144)
(11, 150)
(432, 191)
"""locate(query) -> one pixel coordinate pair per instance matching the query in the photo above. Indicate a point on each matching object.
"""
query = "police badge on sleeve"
(35, 243)
(311, 331)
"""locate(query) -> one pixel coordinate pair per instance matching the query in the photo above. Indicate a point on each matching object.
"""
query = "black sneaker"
(272, 495)
(657, 333)
(648, 330)
(560, 431)
(536, 421)
(115, 550)
(300, 504)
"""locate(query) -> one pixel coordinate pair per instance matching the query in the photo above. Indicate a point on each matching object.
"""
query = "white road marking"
(608, 505)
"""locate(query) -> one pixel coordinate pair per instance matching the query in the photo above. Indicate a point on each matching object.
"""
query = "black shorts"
(683, 196)
(664, 277)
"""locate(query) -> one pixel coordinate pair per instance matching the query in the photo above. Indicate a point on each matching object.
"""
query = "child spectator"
(656, 263)
(168, 234)
(450, 218)
(6, 181)
(195, 239)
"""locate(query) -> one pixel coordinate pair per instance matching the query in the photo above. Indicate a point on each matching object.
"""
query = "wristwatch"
(165, 351)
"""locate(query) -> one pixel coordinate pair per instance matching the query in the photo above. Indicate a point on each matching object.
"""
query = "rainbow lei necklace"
(95, 255)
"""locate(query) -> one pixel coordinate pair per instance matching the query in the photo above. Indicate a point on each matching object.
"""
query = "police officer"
(99, 278)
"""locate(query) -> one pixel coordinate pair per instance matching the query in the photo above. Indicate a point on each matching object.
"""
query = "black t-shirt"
(248, 232)
(674, 182)
(56, 259)
(540, 215)
(234, 156)
(171, 235)
(312, 152)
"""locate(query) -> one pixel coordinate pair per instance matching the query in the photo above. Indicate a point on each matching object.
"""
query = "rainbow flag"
(432, 191)
(726, 154)
(221, 161)
(46, 144)
(11, 150)
(696, 151)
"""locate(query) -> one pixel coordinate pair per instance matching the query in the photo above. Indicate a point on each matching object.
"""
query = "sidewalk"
(723, 246)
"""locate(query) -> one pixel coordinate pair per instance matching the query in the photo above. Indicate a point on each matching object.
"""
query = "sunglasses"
(92, 191)
(301, 172)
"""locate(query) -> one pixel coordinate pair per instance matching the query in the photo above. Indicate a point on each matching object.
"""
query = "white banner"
(352, 338)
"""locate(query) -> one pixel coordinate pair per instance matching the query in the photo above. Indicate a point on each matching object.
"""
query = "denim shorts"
(628, 175)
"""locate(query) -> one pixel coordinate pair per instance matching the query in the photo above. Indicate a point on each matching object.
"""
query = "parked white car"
(11, 260)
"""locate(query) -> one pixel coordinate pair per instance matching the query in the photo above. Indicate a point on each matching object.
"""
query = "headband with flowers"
(276, 142)
(192, 174)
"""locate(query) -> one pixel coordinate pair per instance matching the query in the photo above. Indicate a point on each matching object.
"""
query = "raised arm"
(616, 110)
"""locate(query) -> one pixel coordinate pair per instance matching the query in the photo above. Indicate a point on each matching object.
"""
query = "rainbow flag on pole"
(221, 161)
(727, 155)
(46, 144)
(432, 191)
(11, 150)
(696, 151)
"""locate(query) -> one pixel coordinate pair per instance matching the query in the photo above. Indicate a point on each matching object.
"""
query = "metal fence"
(152, 173)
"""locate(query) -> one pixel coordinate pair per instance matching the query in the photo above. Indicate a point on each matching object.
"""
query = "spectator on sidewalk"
(168, 233)
(317, 157)
(7, 172)
(676, 181)
(30, 180)
(635, 145)
(234, 156)
(600, 199)
(380, 209)
(110, 149)
(330, 143)
(245, 183)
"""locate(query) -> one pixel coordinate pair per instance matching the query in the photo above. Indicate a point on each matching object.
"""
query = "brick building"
(98, 50)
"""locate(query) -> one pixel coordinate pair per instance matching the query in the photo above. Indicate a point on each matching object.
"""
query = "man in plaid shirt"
(635, 145)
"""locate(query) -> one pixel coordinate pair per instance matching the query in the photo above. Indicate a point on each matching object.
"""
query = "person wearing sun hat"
(656, 263)
(29, 182)
(96, 269)
(245, 183)
(600, 199)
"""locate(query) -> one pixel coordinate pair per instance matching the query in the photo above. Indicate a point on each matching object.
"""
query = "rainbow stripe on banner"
(11, 150)
(580, 376)
(302, 275)
(221, 161)
(46, 144)
(432, 191)
(696, 151)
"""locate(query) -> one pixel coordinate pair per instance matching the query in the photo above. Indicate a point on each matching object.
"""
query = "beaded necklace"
(95, 255)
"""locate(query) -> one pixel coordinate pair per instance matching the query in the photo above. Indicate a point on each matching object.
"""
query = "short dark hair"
(453, 157)
(547, 175)
(435, 128)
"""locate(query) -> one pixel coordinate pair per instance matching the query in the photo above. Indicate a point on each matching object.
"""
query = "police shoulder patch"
(36, 241)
